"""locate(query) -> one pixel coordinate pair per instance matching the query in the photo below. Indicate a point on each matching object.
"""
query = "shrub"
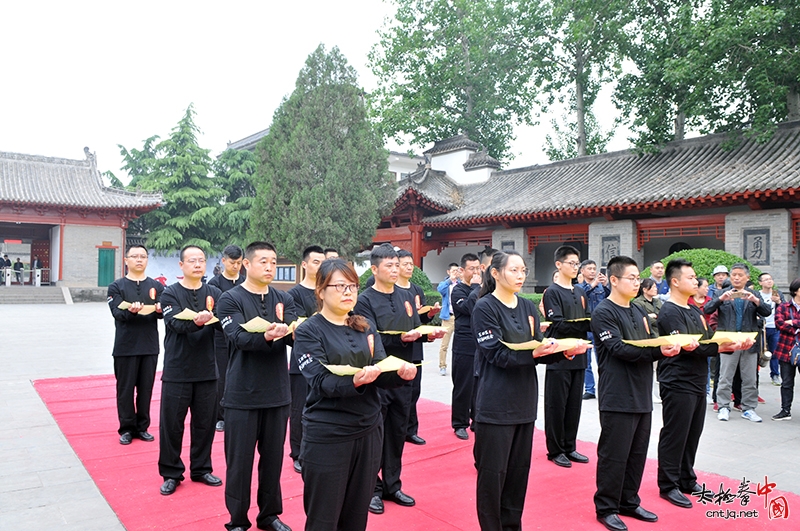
(536, 298)
(705, 260)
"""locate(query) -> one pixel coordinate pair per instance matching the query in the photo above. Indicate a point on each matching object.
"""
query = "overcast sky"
(101, 73)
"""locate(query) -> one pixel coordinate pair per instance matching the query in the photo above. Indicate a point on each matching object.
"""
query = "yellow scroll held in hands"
(578, 320)
(424, 330)
(674, 339)
(721, 337)
(566, 343)
(187, 315)
(147, 309)
(388, 364)
(258, 325)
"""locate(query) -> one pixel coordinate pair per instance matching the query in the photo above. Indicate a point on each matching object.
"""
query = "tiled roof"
(481, 159)
(249, 142)
(36, 180)
(433, 186)
(454, 143)
(694, 173)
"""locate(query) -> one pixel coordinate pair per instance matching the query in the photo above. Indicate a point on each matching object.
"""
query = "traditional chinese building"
(717, 191)
(62, 212)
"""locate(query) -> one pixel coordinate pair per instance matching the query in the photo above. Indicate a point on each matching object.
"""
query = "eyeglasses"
(515, 271)
(341, 288)
(193, 261)
(632, 279)
(572, 264)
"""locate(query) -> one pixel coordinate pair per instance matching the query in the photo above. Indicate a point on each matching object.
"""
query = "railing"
(31, 277)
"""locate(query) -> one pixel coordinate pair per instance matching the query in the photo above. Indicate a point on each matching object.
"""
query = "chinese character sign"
(610, 249)
(756, 246)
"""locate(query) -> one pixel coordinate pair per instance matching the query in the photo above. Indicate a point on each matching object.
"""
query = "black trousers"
(176, 399)
(248, 430)
(416, 390)
(563, 397)
(299, 390)
(395, 406)
(788, 372)
(684, 415)
(463, 401)
(503, 459)
(338, 481)
(621, 456)
(221, 355)
(135, 375)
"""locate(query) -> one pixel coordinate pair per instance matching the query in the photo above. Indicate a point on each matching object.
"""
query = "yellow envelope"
(424, 309)
(187, 315)
(389, 364)
(721, 337)
(566, 343)
(256, 325)
(674, 339)
(147, 309)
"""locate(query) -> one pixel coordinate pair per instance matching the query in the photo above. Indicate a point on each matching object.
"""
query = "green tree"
(181, 170)
(234, 171)
(562, 145)
(322, 170)
(456, 66)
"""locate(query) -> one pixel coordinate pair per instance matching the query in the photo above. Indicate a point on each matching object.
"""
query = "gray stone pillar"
(613, 238)
(764, 238)
(517, 240)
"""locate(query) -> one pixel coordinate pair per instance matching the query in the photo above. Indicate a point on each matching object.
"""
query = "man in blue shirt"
(596, 288)
(445, 288)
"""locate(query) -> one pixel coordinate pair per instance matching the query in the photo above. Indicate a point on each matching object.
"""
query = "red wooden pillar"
(416, 243)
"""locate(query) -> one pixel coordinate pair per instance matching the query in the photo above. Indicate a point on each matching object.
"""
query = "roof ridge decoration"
(454, 143)
(481, 159)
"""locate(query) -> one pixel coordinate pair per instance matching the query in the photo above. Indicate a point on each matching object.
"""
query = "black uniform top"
(188, 348)
(418, 295)
(305, 303)
(561, 304)
(223, 284)
(136, 335)
(391, 311)
(508, 388)
(626, 372)
(257, 375)
(335, 409)
(463, 339)
(688, 371)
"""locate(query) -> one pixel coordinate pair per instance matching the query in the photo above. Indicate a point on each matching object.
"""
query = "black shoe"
(220, 425)
(126, 438)
(209, 479)
(612, 522)
(169, 486)
(676, 498)
(591, 396)
(640, 514)
(577, 458)
(401, 498)
(297, 466)
(376, 505)
(462, 434)
(415, 439)
(146, 437)
(782, 415)
(277, 525)
(561, 460)
(694, 490)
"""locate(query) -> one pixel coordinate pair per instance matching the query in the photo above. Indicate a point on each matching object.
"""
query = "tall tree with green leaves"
(181, 170)
(457, 66)
(322, 174)
(234, 171)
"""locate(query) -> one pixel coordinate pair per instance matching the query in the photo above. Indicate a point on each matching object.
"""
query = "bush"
(536, 298)
(705, 260)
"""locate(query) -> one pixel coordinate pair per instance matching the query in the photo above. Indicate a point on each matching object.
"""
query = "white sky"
(101, 73)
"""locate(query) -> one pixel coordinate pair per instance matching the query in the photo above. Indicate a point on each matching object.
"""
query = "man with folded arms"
(189, 380)
(683, 385)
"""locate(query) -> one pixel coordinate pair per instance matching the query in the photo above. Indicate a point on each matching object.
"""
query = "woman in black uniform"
(342, 425)
(506, 400)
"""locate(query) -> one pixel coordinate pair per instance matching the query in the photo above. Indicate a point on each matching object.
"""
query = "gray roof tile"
(32, 179)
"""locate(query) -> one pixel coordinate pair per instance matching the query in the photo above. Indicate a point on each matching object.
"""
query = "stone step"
(31, 295)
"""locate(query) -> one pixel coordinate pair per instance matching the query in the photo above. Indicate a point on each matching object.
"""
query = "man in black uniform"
(404, 282)
(135, 344)
(625, 396)
(683, 386)
(305, 302)
(257, 398)
(330, 252)
(189, 380)
(229, 277)
(464, 297)
(391, 310)
(564, 303)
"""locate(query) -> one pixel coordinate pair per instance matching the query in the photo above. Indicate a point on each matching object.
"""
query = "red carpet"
(440, 475)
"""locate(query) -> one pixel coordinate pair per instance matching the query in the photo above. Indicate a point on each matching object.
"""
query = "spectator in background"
(657, 275)
(720, 275)
(595, 286)
(772, 297)
(330, 252)
(648, 299)
(700, 299)
(445, 289)
(787, 321)
(18, 267)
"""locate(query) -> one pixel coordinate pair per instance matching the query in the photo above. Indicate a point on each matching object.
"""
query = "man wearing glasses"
(136, 344)
(625, 397)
